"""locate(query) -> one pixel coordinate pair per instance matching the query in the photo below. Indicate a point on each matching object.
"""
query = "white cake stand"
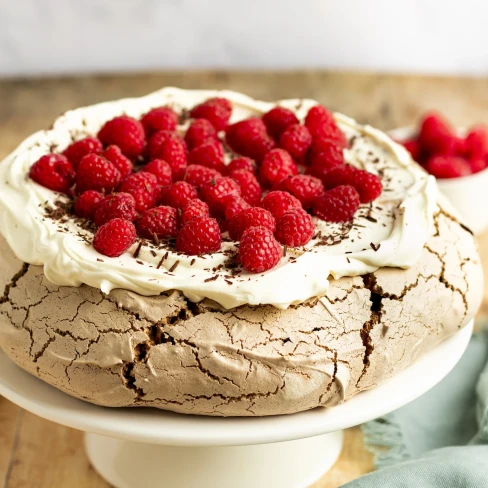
(151, 448)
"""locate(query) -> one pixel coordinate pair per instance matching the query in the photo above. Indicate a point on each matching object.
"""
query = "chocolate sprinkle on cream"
(375, 247)
(175, 265)
(213, 278)
(138, 250)
(162, 260)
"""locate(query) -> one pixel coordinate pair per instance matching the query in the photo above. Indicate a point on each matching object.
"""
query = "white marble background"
(72, 36)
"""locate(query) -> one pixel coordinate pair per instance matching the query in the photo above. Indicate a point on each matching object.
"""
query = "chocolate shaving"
(213, 278)
(375, 247)
(371, 219)
(138, 249)
(162, 261)
(175, 265)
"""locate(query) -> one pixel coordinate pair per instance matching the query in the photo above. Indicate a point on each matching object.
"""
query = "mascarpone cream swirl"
(389, 232)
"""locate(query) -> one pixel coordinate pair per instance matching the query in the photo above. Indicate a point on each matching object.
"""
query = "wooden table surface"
(35, 453)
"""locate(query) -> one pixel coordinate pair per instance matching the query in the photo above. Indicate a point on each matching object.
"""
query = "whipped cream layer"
(389, 232)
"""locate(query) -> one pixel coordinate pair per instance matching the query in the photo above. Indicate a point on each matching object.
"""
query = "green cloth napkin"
(441, 439)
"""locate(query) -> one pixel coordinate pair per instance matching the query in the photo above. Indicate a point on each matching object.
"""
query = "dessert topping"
(259, 251)
(115, 237)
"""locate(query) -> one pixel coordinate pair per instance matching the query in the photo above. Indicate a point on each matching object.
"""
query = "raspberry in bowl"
(458, 158)
(208, 253)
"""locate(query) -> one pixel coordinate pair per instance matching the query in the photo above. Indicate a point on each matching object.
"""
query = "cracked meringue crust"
(124, 349)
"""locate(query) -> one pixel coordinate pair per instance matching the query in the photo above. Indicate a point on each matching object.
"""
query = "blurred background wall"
(73, 36)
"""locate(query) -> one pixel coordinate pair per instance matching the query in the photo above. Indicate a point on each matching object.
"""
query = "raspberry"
(53, 171)
(250, 217)
(460, 147)
(259, 251)
(122, 163)
(241, 163)
(193, 209)
(321, 124)
(318, 117)
(334, 135)
(178, 194)
(87, 203)
(436, 136)
(209, 154)
(75, 151)
(125, 132)
(216, 110)
(158, 223)
(277, 120)
(96, 173)
(337, 205)
(144, 188)
(367, 184)
(296, 140)
(198, 175)
(477, 143)
(304, 187)
(412, 146)
(447, 166)
(324, 162)
(294, 228)
(234, 205)
(249, 138)
(279, 202)
(199, 236)
(115, 237)
(215, 191)
(325, 152)
(161, 169)
(160, 118)
(340, 175)
(276, 166)
(477, 165)
(199, 132)
(169, 147)
(250, 188)
(116, 206)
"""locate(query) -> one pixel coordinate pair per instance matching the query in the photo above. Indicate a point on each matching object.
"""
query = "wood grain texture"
(35, 453)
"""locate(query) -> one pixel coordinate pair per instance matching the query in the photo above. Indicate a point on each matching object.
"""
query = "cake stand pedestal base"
(291, 464)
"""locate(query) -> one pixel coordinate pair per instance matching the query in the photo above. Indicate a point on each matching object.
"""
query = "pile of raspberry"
(444, 153)
(141, 178)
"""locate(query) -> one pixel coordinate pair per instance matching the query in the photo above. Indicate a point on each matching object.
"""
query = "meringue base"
(124, 349)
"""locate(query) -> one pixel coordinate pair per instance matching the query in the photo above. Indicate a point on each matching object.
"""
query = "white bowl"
(468, 194)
